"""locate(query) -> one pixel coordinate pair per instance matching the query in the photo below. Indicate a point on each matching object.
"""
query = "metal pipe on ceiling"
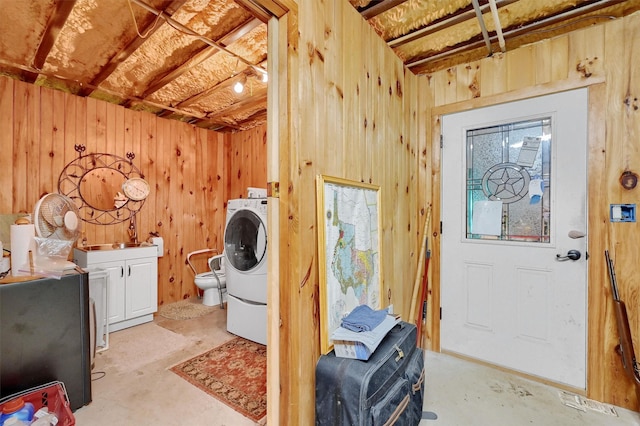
(444, 23)
(496, 21)
(483, 27)
(534, 27)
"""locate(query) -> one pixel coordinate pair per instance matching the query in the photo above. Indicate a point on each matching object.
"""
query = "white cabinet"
(133, 282)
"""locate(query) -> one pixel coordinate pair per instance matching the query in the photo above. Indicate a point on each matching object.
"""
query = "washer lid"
(245, 240)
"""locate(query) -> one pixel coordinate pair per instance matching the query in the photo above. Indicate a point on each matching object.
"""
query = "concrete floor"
(462, 393)
(133, 386)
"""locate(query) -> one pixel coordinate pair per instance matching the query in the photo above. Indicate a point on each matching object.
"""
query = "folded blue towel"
(363, 318)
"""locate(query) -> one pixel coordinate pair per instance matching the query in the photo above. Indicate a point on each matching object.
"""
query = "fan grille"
(50, 217)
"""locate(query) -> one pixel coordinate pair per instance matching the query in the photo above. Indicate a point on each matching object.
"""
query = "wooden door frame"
(596, 225)
(281, 18)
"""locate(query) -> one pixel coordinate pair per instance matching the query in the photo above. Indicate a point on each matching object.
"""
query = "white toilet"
(213, 283)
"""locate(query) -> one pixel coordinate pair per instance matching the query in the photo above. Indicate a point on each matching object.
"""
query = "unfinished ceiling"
(181, 63)
(430, 35)
(181, 58)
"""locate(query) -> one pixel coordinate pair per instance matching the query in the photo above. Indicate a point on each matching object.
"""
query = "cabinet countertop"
(83, 257)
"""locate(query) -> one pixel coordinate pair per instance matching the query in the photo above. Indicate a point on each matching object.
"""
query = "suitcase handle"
(400, 352)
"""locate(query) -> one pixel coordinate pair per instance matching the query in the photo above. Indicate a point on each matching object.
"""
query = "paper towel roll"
(21, 242)
(159, 242)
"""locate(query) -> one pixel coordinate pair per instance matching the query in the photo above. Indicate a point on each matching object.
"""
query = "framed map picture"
(348, 250)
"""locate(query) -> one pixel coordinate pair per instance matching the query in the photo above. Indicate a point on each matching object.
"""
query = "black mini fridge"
(45, 336)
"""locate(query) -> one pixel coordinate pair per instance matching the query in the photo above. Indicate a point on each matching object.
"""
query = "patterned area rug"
(235, 373)
(185, 309)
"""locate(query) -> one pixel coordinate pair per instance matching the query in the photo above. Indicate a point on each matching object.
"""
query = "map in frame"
(348, 251)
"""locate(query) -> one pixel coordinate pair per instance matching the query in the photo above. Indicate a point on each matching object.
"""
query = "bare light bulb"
(238, 87)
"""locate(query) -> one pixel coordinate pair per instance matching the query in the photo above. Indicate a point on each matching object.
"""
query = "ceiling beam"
(131, 99)
(205, 53)
(228, 127)
(239, 32)
(221, 116)
(207, 92)
(134, 44)
(564, 18)
(460, 15)
(264, 9)
(236, 107)
(54, 25)
(249, 122)
(188, 31)
(376, 8)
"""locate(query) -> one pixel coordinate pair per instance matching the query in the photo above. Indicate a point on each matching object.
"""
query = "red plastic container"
(51, 395)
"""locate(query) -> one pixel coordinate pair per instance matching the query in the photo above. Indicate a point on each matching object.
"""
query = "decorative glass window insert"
(508, 181)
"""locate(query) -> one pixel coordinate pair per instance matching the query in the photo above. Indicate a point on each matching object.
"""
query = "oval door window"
(245, 240)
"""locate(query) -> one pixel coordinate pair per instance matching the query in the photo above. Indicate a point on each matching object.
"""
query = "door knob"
(571, 254)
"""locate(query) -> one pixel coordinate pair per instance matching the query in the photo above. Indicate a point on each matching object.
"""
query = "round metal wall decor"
(507, 182)
(96, 170)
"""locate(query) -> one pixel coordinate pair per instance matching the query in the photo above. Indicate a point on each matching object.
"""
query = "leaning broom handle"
(418, 280)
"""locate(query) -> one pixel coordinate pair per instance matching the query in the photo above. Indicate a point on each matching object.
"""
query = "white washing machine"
(245, 248)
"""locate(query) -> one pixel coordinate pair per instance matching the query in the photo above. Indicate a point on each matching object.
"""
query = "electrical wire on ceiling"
(188, 31)
(135, 23)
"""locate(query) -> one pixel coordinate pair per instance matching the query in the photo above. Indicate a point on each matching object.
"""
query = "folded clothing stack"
(363, 318)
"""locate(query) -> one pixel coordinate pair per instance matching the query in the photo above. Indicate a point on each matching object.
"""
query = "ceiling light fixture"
(238, 87)
(261, 73)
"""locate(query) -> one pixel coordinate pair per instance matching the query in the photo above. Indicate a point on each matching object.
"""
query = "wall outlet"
(622, 213)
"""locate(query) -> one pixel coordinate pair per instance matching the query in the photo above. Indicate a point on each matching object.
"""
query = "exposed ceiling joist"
(55, 23)
(376, 8)
(264, 9)
(566, 18)
(149, 29)
(201, 56)
(241, 106)
(225, 84)
(457, 17)
(224, 126)
(239, 32)
(194, 50)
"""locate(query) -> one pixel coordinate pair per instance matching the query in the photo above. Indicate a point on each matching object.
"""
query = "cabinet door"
(142, 287)
(116, 291)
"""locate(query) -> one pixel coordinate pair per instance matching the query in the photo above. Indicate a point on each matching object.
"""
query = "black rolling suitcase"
(386, 389)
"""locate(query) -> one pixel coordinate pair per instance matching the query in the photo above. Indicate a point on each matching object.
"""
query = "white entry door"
(514, 203)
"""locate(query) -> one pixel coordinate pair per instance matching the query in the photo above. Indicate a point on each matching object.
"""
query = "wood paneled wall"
(354, 114)
(247, 161)
(605, 58)
(189, 169)
(345, 118)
